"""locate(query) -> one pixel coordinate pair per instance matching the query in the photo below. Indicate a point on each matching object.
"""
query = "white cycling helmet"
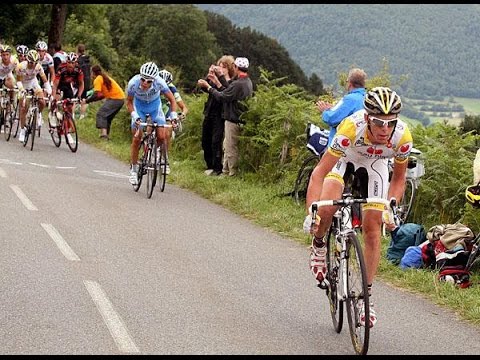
(22, 50)
(72, 57)
(41, 45)
(149, 70)
(166, 75)
(382, 100)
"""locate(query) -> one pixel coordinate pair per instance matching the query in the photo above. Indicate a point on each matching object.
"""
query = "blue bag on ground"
(412, 258)
(408, 234)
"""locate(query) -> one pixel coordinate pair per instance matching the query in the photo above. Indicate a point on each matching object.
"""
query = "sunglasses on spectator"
(148, 81)
(381, 123)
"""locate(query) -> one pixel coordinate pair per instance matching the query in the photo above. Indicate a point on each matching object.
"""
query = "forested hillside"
(435, 45)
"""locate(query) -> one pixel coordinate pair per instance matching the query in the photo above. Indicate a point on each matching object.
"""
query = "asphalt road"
(89, 266)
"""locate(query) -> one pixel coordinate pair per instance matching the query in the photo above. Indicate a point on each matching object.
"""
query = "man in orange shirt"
(104, 87)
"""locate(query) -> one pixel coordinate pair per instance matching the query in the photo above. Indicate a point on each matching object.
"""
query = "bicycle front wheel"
(7, 124)
(32, 128)
(357, 294)
(333, 276)
(55, 130)
(151, 168)
(163, 167)
(70, 131)
(404, 208)
(15, 121)
(142, 156)
(303, 178)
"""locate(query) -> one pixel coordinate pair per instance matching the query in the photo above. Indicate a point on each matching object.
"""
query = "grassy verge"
(266, 207)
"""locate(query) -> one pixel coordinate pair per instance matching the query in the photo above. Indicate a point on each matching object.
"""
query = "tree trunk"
(57, 26)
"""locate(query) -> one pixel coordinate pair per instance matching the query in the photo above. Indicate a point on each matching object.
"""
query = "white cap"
(242, 62)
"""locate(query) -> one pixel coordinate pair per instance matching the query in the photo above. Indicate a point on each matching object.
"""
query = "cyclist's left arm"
(400, 164)
(171, 99)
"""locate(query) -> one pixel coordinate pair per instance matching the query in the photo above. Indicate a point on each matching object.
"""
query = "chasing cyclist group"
(34, 69)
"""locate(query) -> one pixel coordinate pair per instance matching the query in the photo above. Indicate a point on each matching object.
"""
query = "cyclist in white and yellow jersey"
(46, 60)
(366, 139)
(26, 73)
(7, 67)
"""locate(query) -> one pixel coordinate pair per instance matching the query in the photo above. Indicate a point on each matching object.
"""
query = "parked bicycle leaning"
(366, 139)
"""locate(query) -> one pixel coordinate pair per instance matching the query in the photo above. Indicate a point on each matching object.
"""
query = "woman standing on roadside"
(104, 87)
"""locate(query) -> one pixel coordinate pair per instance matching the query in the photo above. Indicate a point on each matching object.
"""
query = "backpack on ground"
(456, 275)
(404, 236)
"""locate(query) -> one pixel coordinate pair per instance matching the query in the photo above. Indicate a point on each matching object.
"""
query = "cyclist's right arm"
(315, 185)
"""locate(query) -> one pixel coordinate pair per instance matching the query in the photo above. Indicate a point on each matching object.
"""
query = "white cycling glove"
(134, 115)
(173, 115)
(48, 88)
(307, 224)
(20, 86)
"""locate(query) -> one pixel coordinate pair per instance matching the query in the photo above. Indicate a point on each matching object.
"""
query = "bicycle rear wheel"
(70, 128)
(357, 294)
(404, 208)
(303, 178)
(333, 277)
(151, 169)
(162, 173)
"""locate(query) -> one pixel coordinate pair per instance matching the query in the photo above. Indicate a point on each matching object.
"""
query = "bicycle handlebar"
(350, 201)
(152, 124)
(73, 101)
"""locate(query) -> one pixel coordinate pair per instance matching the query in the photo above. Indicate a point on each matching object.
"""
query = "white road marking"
(60, 242)
(65, 167)
(3, 174)
(114, 322)
(6, 161)
(109, 173)
(40, 165)
(23, 198)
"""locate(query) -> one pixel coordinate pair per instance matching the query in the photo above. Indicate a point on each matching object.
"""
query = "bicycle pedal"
(324, 284)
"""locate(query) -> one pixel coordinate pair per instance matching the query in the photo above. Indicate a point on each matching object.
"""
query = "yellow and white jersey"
(8, 68)
(28, 74)
(351, 141)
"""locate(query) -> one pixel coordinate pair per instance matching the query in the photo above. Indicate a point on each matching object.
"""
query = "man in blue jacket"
(350, 103)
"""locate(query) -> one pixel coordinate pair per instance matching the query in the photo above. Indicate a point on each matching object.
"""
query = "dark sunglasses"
(148, 81)
(381, 123)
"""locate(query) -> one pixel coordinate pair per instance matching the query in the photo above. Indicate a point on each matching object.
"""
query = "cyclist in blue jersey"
(168, 77)
(350, 103)
(143, 97)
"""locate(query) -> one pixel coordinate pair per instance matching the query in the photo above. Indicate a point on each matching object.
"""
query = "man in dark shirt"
(239, 89)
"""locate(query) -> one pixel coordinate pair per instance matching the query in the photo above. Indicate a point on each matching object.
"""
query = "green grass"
(471, 106)
(267, 207)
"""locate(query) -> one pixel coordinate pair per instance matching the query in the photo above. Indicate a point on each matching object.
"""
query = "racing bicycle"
(152, 156)
(9, 112)
(61, 122)
(346, 278)
(31, 121)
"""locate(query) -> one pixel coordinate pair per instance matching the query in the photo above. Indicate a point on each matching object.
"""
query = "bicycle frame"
(346, 279)
(150, 163)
